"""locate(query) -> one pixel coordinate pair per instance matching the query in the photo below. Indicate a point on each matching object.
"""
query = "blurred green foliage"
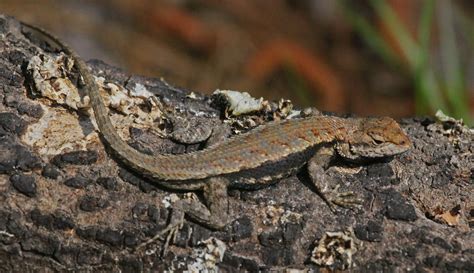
(436, 86)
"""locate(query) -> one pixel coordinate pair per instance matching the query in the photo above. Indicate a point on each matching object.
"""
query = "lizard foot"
(213, 216)
(176, 223)
(346, 199)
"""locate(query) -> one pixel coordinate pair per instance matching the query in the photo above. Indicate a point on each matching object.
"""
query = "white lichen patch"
(208, 256)
(56, 132)
(117, 97)
(140, 91)
(238, 103)
(335, 247)
(451, 125)
(168, 200)
(191, 95)
(285, 108)
(272, 215)
(50, 79)
(291, 217)
(139, 105)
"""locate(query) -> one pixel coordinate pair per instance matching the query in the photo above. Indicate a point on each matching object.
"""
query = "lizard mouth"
(382, 150)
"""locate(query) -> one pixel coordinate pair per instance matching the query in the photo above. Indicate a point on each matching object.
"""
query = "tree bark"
(68, 204)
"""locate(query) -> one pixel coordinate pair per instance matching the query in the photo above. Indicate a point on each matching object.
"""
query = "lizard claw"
(171, 237)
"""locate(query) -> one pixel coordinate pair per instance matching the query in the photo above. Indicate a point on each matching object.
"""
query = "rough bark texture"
(76, 208)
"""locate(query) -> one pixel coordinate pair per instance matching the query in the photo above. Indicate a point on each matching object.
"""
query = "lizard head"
(374, 138)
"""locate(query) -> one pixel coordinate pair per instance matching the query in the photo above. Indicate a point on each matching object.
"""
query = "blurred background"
(373, 57)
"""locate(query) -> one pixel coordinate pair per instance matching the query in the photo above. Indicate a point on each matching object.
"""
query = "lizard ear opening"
(378, 141)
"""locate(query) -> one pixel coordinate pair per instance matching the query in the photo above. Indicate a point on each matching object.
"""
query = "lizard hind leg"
(213, 216)
(327, 188)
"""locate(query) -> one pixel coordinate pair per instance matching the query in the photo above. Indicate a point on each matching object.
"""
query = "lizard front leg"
(325, 185)
(213, 214)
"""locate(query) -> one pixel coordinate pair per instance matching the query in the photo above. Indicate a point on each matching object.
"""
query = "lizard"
(250, 160)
